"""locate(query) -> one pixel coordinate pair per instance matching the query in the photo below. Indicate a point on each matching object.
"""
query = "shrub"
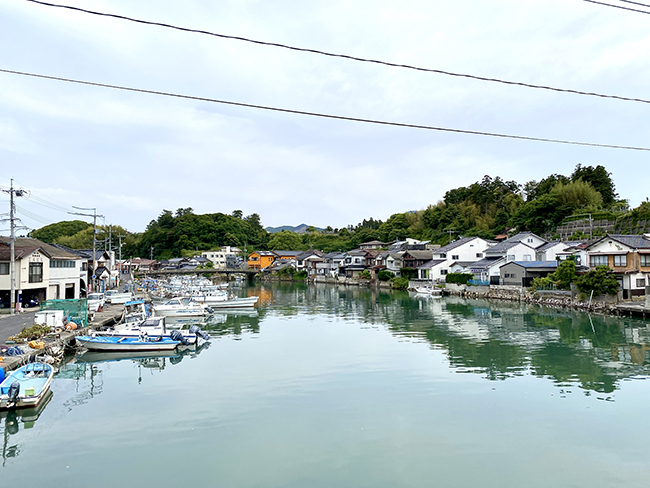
(401, 283)
(385, 275)
(365, 274)
(460, 278)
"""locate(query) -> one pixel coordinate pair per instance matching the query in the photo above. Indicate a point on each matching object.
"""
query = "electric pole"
(12, 240)
(94, 215)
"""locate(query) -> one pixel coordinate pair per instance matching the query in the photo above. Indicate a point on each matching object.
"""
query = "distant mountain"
(298, 229)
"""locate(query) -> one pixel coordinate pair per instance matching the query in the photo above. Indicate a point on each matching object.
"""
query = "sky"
(132, 155)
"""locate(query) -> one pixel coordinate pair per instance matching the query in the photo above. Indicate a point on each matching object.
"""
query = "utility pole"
(119, 236)
(94, 215)
(12, 242)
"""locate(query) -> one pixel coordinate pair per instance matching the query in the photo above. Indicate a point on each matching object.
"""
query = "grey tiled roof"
(502, 247)
(486, 263)
(635, 241)
(454, 245)
(431, 264)
(549, 245)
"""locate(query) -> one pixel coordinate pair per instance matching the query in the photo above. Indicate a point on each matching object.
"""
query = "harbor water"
(323, 386)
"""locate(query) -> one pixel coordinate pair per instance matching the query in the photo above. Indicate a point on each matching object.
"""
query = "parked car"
(96, 301)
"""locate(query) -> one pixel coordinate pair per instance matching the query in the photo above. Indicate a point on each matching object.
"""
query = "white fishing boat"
(221, 299)
(182, 307)
(26, 386)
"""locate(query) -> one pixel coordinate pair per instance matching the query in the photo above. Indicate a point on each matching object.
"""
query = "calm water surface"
(325, 386)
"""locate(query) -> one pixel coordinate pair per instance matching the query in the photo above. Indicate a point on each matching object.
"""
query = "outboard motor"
(14, 391)
(196, 330)
(177, 335)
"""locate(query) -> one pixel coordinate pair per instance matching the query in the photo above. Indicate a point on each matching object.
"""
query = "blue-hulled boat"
(125, 343)
(26, 386)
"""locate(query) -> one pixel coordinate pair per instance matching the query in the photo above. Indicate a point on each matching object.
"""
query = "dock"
(110, 315)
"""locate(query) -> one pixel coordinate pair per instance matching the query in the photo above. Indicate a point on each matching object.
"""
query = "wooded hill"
(486, 208)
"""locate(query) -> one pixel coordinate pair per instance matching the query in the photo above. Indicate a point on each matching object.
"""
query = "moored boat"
(124, 343)
(181, 307)
(223, 301)
(26, 386)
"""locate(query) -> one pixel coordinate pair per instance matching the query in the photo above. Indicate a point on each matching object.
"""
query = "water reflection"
(495, 339)
(12, 420)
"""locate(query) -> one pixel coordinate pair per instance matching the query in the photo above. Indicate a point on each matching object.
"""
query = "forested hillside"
(486, 208)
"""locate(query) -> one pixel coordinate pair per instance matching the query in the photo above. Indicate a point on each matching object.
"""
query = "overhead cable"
(327, 116)
(346, 56)
(635, 3)
(592, 1)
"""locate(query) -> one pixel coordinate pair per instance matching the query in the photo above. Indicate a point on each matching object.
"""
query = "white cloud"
(132, 155)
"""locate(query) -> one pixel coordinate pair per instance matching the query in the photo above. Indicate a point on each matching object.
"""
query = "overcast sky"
(132, 155)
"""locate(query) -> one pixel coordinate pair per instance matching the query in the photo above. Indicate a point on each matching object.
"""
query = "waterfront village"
(507, 264)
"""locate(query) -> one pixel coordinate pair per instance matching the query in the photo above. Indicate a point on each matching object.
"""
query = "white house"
(219, 257)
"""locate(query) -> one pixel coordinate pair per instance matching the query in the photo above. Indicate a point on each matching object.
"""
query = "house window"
(35, 272)
(645, 259)
(620, 261)
(357, 260)
(454, 256)
(479, 254)
(640, 282)
(511, 257)
(443, 272)
(4, 268)
(598, 261)
(443, 256)
(529, 240)
(527, 257)
(60, 263)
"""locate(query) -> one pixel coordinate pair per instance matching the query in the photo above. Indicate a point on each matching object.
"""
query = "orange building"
(261, 259)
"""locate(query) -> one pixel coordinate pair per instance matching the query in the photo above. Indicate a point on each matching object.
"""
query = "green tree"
(286, 241)
(578, 195)
(50, 233)
(600, 179)
(600, 280)
(565, 274)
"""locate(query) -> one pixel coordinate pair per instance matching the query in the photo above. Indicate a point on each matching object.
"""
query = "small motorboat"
(428, 290)
(222, 300)
(26, 386)
(125, 343)
(182, 307)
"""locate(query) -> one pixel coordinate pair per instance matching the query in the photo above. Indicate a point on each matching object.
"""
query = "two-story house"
(261, 259)
(42, 272)
(461, 252)
(628, 256)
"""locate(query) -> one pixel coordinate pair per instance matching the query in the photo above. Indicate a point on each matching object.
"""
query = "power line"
(590, 1)
(327, 116)
(635, 3)
(346, 56)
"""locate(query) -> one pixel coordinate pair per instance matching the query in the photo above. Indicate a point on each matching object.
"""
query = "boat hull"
(125, 344)
(33, 388)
